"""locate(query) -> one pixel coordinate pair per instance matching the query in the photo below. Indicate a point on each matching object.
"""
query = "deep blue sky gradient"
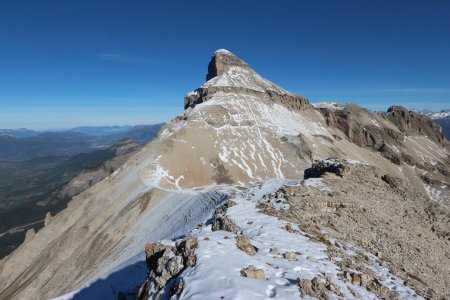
(67, 63)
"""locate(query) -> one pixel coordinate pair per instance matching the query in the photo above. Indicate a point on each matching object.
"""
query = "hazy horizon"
(144, 122)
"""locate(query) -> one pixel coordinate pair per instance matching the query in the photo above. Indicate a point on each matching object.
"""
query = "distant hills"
(103, 130)
(24, 144)
(88, 130)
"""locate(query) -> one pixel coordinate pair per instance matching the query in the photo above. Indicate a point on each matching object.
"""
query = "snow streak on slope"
(439, 193)
(271, 116)
(243, 77)
(250, 136)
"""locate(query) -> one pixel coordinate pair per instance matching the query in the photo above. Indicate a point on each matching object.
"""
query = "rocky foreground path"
(252, 249)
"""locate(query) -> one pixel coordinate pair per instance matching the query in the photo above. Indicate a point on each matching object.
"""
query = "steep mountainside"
(238, 129)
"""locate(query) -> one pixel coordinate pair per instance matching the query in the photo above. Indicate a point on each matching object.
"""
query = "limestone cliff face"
(221, 62)
(411, 122)
(400, 136)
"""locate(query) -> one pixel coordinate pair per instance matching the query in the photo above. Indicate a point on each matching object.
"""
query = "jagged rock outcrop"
(221, 221)
(410, 122)
(322, 166)
(164, 263)
(365, 129)
(400, 136)
(369, 129)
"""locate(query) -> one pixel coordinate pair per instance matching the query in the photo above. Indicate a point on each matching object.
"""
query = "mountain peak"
(227, 73)
(222, 51)
(221, 62)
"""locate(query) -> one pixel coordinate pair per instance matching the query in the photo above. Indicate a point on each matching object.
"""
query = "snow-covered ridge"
(285, 255)
(330, 105)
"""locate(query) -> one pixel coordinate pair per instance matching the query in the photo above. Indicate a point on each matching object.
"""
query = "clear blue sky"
(66, 63)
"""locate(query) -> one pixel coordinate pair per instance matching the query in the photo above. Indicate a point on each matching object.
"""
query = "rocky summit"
(253, 192)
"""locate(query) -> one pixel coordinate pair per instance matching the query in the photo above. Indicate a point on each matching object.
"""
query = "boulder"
(289, 228)
(165, 263)
(274, 251)
(290, 256)
(244, 244)
(253, 273)
(322, 166)
(224, 223)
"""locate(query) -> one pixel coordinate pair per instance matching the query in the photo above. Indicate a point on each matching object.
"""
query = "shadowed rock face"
(221, 61)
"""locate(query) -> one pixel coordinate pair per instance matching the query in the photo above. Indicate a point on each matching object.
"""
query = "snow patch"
(317, 183)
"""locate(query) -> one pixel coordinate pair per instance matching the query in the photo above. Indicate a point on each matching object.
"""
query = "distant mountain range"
(434, 115)
(24, 144)
(103, 130)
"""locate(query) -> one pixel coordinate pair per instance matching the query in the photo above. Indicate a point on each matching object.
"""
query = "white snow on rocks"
(217, 274)
(241, 77)
(438, 193)
(224, 51)
(219, 262)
